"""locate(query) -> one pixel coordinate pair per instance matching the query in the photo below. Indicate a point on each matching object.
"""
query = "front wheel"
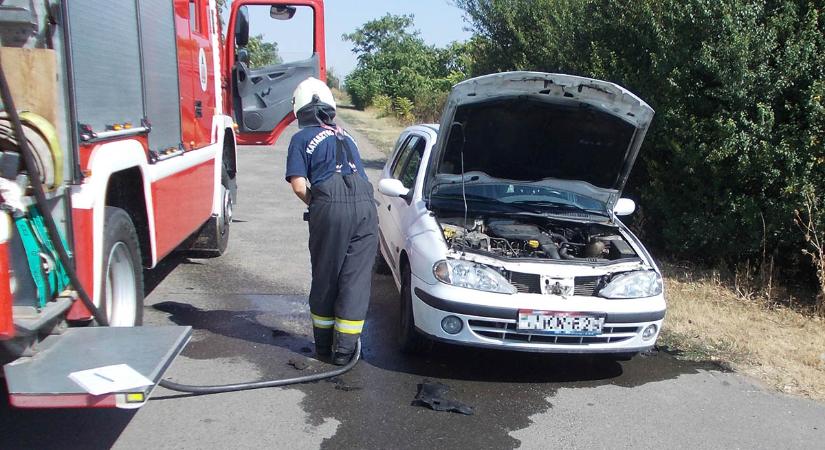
(212, 239)
(225, 218)
(410, 340)
(121, 293)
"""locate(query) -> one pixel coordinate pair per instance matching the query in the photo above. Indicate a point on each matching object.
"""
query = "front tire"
(225, 218)
(409, 339)
(121, 293)
(212, 239)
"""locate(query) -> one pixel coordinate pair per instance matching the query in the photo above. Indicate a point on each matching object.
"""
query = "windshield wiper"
(558, 205)
(458, 196)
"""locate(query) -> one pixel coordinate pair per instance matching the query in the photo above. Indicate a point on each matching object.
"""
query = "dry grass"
(382, 132)
(709, 321)
(706, 319)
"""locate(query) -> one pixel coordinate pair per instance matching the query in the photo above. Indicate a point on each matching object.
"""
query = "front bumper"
(489, 320)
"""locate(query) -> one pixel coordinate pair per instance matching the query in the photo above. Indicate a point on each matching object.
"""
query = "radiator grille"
(586, 286)
(530, 283)
(527, 283)
(507, 332)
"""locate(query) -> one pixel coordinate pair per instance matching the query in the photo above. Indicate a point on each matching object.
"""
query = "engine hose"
(200, 390)
(41, 202)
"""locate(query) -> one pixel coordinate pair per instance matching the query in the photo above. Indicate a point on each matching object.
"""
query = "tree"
(394, 61)
(261, 53)
(381, 34)
(738, 87)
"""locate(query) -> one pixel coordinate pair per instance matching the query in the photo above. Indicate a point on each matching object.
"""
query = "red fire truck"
(130, 113)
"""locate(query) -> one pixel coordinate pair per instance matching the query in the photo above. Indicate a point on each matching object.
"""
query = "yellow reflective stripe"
(322, 322)
(352, 323)
(349, 326)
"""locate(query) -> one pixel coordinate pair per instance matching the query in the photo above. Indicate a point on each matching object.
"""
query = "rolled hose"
(40, 199)
(266, 383)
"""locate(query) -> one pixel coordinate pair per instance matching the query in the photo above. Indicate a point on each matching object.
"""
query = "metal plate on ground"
(42, 381)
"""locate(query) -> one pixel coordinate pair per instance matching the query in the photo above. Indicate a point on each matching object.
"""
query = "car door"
(386, 226)
(273, 47)
(400, 210)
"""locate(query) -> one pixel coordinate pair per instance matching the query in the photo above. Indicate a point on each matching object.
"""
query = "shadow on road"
(244, 325)
(153, 277)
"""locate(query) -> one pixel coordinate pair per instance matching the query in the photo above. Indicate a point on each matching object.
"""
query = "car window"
(410, 171)
(403, 155)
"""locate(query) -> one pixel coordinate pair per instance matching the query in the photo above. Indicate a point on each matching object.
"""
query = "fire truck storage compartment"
(125, 66)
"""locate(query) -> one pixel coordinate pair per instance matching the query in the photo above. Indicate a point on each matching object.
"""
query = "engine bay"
(540, 238)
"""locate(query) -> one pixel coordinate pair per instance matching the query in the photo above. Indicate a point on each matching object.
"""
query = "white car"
(501, 228)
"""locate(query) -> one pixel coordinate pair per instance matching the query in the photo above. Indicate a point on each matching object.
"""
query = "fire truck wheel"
(122, 290)
(225, 219)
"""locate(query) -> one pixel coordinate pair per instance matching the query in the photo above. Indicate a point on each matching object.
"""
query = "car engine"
(545, 239)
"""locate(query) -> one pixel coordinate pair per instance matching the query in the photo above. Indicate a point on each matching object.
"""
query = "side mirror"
(282, 12)
(624, 207)
(242, 27)
(392, 188)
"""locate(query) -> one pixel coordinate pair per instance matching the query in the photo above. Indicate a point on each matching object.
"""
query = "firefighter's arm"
(299, 187)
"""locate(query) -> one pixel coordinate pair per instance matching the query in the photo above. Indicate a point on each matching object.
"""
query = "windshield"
(508, 196)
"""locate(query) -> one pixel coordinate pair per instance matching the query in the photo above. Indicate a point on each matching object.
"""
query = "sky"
(439, 21)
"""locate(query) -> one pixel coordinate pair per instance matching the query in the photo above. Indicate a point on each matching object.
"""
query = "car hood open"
(530, 126)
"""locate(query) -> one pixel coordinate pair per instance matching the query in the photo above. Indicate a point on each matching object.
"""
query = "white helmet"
(307, 90)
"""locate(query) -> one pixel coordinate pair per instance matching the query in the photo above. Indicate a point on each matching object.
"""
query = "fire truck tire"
(225, 219)
(122, 275)
(212, 239)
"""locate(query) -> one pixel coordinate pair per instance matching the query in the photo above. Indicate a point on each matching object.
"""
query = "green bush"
(428, 105)
(362, 86)
(737, 86)
(383, 103)
(404, 109)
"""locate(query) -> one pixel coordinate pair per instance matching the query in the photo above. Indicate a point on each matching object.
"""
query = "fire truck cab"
(132, 111)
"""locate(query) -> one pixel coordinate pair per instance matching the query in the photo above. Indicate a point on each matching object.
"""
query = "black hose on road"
(265, 383)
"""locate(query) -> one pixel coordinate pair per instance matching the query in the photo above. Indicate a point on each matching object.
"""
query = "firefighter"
(343, 224)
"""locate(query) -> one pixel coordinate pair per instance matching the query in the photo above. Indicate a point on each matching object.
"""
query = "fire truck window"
(194, 17)
(275, 41)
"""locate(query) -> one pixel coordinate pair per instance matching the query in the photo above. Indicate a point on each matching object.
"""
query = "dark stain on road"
(505, 388)
(374, 401)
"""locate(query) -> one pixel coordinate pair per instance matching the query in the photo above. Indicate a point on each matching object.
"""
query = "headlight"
(470, 275)
(643, 283)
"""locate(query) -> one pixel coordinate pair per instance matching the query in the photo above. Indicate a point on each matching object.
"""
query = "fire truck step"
(42, 381)
(28, 320)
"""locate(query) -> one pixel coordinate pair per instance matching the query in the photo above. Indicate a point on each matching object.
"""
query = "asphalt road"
(250, 316)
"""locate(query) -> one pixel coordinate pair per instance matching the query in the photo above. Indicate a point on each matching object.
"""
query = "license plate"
(560, 323)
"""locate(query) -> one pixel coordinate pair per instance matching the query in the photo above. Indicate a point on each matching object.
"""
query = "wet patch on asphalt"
(504, 388)
(374, 401)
